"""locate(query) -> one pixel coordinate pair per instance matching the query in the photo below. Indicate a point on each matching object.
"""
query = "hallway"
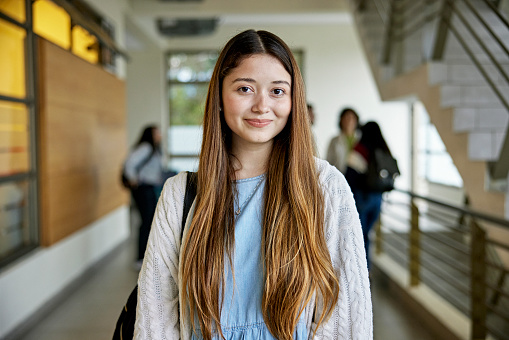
(92, 310)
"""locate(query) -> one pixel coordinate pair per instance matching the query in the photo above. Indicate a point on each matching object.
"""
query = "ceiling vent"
(186, 27)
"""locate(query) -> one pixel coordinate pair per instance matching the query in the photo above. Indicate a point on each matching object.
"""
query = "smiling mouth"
(258, 122)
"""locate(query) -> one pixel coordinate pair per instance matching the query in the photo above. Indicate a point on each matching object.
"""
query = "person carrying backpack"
(272, 245)
(371, 171)
(143, 175)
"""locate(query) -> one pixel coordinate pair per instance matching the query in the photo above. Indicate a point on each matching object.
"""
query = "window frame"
(30, 100)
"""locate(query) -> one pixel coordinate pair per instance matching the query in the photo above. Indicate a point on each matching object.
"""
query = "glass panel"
(442, 170)
(185, 140)
(52, 23)
(12, 60)
(179, 164)
(14, 8)
(84, 45)
(14, 138)
(14, 217)
(187, 102)
(194, 67)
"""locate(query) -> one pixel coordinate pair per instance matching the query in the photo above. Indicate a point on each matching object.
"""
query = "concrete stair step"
(467, 119)
(466, 73)
(485, 146)
(471, 95)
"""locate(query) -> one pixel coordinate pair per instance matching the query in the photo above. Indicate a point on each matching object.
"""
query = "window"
(12, 60)
(18, 180)
(188, 80)
(84, 44)
(53, 23)
(435, 163)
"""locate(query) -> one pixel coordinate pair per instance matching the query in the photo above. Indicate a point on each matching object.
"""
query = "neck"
(349, 133)
(251, 161)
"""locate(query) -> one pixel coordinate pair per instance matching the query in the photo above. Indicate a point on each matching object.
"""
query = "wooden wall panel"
(82, 131)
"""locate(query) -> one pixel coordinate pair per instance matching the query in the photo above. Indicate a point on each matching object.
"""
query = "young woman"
(144, 172)
(367, 200)
(341, 145)
(272, 247)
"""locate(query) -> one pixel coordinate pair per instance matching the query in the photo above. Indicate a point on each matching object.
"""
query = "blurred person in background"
(341, 145)
(144, 172)
(367, 195)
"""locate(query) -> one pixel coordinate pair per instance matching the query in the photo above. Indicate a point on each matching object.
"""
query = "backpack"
(124, 328)
(124, 180)
(382, 171)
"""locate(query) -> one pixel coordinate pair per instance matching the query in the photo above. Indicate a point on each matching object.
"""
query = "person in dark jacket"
(368, 202)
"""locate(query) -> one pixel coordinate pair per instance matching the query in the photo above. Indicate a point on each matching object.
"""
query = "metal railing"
(454, 251)
(418, 31)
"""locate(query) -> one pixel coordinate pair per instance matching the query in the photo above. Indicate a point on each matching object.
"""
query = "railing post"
(361, 5)
(414, 245)
(389, 34)
(378, 234)
(442, 29)
(478, 281)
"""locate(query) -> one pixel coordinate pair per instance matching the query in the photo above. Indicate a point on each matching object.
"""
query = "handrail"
(485, 24)
(473, 213)
(497, 12)
(469, 279)
(479, 40)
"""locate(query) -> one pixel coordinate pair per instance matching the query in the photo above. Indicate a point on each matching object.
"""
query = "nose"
(261, 104)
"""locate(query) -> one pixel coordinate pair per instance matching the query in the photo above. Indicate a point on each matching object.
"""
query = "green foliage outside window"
(187, 102)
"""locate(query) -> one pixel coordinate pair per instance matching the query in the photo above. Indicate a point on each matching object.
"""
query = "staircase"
(428, 49)
(453, 56)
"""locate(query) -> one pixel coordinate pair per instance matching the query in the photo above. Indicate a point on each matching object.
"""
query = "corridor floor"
(90, 313)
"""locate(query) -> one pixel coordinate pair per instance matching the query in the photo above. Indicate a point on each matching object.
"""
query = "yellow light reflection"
(14, 8)
(52, 23)
(12, 60)
(84, 45)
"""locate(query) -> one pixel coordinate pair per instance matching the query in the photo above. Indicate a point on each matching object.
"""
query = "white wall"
(146, 99)
(28, 284)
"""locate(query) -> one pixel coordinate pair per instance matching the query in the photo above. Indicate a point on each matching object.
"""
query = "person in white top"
(144, 172)
(307, 271)
(341, 145)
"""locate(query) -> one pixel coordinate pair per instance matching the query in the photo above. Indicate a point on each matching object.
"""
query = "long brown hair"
(295, 255)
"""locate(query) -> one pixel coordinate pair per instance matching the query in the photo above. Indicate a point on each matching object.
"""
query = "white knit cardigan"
(158, 315)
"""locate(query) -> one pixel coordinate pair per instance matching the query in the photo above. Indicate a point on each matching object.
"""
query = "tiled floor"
(91, 312)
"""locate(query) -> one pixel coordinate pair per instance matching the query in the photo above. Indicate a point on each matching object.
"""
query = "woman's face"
(349, 123)
(257, 101)
(156, 135)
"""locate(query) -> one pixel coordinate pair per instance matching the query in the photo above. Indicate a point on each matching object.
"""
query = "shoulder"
(329, 176)
(141, 150)
(337, 139)
(175, 184)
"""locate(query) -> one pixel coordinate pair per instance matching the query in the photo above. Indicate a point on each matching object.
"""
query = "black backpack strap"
(191, 182)
(125, 324)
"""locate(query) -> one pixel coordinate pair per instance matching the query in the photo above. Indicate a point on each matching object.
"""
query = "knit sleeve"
(352, 316)
(157, 313)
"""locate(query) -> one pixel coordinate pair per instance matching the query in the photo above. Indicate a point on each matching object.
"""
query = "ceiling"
(164, 20)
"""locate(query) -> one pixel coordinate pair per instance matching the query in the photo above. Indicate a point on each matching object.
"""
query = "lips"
(259, 123)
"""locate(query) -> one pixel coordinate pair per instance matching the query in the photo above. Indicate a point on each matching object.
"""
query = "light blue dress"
(241, 316)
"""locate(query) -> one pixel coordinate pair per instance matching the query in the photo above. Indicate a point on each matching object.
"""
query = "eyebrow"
(251, 80)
